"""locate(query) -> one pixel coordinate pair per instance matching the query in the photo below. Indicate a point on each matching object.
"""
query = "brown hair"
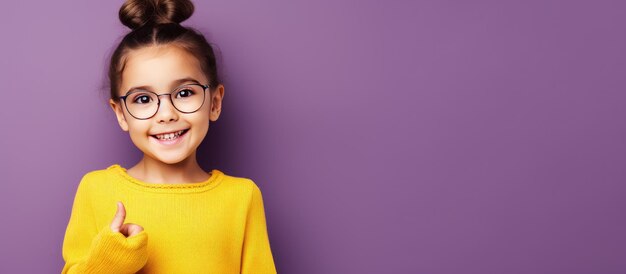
(157, 22)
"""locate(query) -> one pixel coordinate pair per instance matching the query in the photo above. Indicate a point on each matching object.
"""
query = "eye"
(186, 92)
(142, 99)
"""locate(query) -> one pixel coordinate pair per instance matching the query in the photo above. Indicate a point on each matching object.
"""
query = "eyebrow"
(174, 84)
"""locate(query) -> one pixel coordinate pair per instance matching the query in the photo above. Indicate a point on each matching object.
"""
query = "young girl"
(165, 214)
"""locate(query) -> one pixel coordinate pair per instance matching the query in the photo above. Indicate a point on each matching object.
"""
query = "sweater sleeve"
(89, 250)
(256, 253)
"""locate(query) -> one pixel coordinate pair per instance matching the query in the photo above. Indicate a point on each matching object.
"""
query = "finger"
(124, 230)
(134, 230)
(130, 229)
(120, 215)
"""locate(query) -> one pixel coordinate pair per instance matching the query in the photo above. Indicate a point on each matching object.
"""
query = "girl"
(172, 216)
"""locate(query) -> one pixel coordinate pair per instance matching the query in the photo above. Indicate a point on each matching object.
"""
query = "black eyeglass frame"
(158, 96)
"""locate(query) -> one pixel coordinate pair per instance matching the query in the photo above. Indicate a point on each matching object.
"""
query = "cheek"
(137, 129)
(202, 116)
(200, 122)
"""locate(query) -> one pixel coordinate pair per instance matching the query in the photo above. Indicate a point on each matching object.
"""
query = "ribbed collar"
(210, 183)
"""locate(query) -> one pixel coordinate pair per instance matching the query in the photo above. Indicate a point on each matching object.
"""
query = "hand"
(118, 224)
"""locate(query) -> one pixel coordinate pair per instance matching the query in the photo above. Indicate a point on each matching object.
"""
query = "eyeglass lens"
(144, 104)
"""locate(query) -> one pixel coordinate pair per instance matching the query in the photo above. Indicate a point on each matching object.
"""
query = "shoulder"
(244, 185)
(96, 177)
(99, 173)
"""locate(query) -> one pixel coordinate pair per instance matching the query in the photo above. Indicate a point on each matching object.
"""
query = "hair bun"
(136, 13)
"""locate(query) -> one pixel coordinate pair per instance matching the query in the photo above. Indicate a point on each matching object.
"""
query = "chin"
(170, 162)
(170, 159)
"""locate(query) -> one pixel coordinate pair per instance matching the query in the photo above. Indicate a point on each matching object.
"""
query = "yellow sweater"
(216, 226)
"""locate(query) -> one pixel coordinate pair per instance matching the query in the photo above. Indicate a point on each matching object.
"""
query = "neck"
(154, 171)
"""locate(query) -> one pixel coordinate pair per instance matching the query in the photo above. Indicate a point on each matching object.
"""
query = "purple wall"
(397, 137)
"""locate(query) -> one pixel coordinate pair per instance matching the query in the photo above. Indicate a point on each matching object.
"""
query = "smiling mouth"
(170, 136)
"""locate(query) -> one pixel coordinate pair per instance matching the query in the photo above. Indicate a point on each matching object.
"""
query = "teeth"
(169, 136)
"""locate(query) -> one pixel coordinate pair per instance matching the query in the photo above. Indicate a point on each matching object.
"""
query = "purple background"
(395, 137)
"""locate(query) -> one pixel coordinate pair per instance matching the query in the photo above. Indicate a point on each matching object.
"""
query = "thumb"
(118, 220)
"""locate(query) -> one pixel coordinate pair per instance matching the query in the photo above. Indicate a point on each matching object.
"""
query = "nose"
(166, 112)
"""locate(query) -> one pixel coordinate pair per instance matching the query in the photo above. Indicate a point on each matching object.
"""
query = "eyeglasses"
(144, 104)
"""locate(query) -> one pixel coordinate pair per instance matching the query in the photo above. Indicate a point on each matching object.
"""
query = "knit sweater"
(215, 226)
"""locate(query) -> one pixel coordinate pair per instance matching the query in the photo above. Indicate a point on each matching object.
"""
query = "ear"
(117, 108)
(216, 103)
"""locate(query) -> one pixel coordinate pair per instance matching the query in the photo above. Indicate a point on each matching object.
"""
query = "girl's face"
(160, 69)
